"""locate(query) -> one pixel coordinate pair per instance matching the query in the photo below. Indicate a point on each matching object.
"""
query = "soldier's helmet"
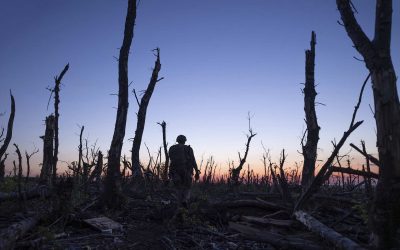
(181, 139)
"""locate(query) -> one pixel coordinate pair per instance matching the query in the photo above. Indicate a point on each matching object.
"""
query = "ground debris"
(104, 224)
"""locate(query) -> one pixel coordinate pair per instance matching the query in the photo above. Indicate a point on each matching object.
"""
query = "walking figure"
(181, 169)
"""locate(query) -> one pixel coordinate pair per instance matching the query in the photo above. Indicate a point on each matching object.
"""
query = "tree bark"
(141, 117)
(7, 139)
(111, 193)
(384, 219)
(310, 148)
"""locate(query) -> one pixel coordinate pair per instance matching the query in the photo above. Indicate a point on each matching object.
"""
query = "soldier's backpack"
(179, 154)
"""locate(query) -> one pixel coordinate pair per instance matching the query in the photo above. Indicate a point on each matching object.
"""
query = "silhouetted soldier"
(181, 169)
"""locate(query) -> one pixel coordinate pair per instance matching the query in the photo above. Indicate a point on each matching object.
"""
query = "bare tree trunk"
(368, 183)
(112, 182)
(286, 196)
(45, 173)
(164, 175)
(310, 149)
(2, 167)
(19, 171)
(141, 117)
(56, 117)
(96, 173)
(80, 150)
(7, 139)
(325, 171)
(28, 165)
(376, 53)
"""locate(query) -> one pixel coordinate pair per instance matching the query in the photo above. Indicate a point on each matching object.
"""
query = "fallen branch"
(335, 198)
(10, 235)
(278, 240)
(251, 203)
(267, 221)
(354, 171)
(30, 194)
(34, 244)
(325, 232)
(370, 157)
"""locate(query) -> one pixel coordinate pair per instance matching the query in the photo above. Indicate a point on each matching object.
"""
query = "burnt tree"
(286, 196)
(111, 193)
(376, 53)
(80, 151)
(19, 181)
(310, 148)
(2, 167)
(141, 116)
(48, 139)
(56, 91)
(96, 173)
(164, 174)
(235, 172)
(325, 171)
(28, 165)
(7, 139)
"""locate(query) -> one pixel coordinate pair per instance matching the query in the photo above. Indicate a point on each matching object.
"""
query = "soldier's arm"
(193, 159)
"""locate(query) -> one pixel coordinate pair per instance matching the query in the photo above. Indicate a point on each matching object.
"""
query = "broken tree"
(164, 174)
(141, 116)
(325, 170)
(376, 53)
(7, 139)
(112, 182)
(56, 91)
(310, 148)
(48, 139)
(235, 174)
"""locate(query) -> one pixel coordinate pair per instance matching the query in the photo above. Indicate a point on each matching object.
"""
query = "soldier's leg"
(186, 195)
(187, 183)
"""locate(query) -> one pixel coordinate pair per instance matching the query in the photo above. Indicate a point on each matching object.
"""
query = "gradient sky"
(220, 59)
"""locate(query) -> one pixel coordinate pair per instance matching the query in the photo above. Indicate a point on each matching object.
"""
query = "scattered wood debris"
(104, 224)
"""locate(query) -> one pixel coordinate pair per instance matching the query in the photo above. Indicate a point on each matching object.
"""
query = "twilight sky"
(220, 59)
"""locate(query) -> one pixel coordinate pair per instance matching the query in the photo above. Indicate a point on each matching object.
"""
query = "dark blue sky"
(220, 59)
